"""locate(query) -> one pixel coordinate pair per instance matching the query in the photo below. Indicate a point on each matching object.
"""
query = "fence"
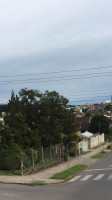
(41, 158)
(30, 160)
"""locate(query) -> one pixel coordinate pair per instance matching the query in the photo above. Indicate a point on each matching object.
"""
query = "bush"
(109, 147)
(10, 156)
(72, 153)
(27, 157)
(65, 156)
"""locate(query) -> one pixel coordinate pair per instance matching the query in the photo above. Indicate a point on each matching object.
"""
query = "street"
(95, 183)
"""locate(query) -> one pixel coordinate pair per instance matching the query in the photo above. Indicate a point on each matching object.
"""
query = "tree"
(51, 107)
(36, 118)
(29, 100)
(19, 120)
(99, 124)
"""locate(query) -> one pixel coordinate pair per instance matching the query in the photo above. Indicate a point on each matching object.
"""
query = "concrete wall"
(82, 145)
(96, 140)
(90, 142)
(101, 138)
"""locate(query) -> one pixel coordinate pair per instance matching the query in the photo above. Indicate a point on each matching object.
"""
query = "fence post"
(21, 160)
(63, 151)
(60, 146)
(50, 154)
(33, 164)
(68, 159)
(43, 157)
(57, 152)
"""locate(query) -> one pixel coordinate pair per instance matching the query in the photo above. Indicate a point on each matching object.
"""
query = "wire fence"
(28, 161)
(41, 158)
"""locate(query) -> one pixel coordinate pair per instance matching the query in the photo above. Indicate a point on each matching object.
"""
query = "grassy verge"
(37, 166)
(6, 173)
(69, 172)
(99, 155)
(88, 152)
(98, 146)
(35, 183)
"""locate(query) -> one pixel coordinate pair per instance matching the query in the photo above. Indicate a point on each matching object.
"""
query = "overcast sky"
(42, 36)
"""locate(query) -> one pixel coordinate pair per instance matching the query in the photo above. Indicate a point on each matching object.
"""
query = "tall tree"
(54, 118)
(34, 115)
(99, 124)
(19, 120)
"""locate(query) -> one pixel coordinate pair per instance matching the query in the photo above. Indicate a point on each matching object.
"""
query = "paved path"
(44, 176)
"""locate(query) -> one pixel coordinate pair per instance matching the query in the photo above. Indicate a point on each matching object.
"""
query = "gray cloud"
(45, 36)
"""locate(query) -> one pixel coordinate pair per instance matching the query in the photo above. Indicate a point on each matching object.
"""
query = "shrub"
(72, 153)
(109, 147)
(65, 156)
(10, 156)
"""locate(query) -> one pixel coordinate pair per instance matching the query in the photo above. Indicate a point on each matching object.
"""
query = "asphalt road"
(94, 183)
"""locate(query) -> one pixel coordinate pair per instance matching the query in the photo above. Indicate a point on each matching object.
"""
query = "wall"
(101, 138)
(91, 142)
(82, 145)
(96, 140)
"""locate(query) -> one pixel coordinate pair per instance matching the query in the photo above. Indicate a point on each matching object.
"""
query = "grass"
(5, 173)
(88, 152)
(69, 172)
(99, 155)
(35, 183)
(98, 146)
(37, 166)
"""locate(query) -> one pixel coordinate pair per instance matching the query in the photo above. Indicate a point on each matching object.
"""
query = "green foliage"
(36, 119)
(35, 183)
(99, 155)
(71, 137)
(3, 108)
(67, 119)
(10, 156)
(99, 124)
(65, 156)
(88, 152)
(68, 173)
(72, 153)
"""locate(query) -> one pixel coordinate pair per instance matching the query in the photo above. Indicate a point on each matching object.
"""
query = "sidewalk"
(44, 175)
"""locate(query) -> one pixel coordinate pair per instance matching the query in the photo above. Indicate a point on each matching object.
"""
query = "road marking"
(73, 179)
(90, 170)
(98, 177)
(110, 177)
(86, 178)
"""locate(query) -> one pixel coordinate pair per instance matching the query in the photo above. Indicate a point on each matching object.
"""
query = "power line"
(88, 100)
(56, 72)
(84, 98)
(95, 98)
(85, 94)
(80, 92)
(77, 75)
(65, 79)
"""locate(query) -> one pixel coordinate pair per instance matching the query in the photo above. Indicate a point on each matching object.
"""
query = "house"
(82, 123)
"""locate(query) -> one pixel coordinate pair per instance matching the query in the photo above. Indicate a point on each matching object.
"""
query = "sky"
(64, 46)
